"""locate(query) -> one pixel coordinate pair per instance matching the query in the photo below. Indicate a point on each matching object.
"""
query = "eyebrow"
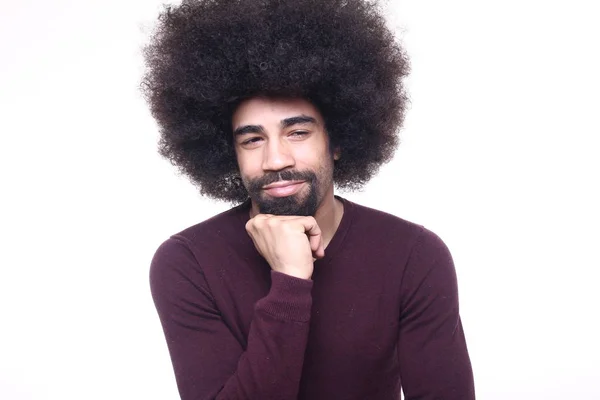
(300, 119)
(286, 123)
(243, 130)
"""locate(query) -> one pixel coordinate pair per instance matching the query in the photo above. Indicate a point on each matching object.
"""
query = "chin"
(289, 205)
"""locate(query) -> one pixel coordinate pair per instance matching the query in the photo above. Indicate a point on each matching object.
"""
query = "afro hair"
(206, 56)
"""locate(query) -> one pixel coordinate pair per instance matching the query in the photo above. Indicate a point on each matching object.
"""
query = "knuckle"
(272, 222)
(251, 225)
(259, 220)
(311, 221)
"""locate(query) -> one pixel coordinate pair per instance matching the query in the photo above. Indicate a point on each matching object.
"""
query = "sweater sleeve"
(433, 358)
(208, 361)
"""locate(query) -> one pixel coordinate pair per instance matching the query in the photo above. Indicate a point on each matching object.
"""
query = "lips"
(283, 188)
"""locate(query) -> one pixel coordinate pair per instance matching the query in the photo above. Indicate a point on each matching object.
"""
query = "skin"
(272, 135)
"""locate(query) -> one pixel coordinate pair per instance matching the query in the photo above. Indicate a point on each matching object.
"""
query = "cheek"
(250, 167)
(246, 163)
(312, 156)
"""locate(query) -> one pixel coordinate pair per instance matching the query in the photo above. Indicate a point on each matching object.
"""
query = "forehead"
(271, 110)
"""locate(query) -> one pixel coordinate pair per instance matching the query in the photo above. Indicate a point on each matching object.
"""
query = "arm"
(432, 351)
(208, 361)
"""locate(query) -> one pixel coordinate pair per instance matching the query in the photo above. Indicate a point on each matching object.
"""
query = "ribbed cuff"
(289, 298)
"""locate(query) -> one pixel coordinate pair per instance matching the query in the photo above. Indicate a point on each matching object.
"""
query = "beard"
(298, 204)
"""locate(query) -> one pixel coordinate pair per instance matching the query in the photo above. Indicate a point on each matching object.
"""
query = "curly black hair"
(206, 56)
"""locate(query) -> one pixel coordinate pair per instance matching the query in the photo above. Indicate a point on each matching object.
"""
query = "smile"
(283, 188)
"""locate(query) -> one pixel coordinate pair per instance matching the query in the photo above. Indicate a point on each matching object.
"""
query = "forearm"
(442, 370)
(271, 365)
(210, 360)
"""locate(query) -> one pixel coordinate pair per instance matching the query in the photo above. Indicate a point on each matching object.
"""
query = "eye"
(252, 140)
(299, 133)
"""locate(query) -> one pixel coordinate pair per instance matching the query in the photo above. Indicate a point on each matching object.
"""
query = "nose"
(277, 156)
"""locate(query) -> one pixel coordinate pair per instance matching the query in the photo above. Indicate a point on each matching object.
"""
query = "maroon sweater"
(381, 311)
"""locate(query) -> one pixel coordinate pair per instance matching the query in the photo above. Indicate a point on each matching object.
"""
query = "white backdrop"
(499, 157)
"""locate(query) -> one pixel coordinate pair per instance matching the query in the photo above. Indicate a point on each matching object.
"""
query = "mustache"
(257, 184)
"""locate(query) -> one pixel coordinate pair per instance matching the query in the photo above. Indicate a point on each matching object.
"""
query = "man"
(295, 293)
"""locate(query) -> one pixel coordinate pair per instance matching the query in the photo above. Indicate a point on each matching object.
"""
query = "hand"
(290, 244)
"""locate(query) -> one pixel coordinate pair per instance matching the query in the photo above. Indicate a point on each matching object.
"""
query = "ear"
(337, 154)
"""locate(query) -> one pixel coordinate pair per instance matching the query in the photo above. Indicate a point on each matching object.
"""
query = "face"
(283, 154)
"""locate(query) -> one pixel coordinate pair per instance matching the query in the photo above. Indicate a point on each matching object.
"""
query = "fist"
(290, 244)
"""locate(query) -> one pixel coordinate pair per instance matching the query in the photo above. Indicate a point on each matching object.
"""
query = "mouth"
(283, 188)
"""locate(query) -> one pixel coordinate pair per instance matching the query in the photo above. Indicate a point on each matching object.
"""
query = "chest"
(355, 318)
(355, 306)
(354, 315)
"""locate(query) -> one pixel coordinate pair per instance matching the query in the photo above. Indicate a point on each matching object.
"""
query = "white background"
(499, 157)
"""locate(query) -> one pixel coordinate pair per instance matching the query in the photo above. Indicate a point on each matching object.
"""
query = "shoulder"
(206, 239)
(390, 233)
(430, 261)
(370, 222)
(221, 226)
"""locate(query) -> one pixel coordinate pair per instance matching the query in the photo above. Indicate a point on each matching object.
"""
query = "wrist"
(297, 272)
(288, 298)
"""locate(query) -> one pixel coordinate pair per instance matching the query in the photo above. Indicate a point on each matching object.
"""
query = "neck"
(328, 216)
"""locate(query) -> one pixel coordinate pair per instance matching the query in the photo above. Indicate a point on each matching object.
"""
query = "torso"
(356, 303)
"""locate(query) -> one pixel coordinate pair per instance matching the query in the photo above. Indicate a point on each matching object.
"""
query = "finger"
(316, 245)
(320, 252)
(311, 228)
(317, 255)
(315, 236)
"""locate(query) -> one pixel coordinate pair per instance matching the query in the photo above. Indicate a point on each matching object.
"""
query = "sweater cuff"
(289, 298)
